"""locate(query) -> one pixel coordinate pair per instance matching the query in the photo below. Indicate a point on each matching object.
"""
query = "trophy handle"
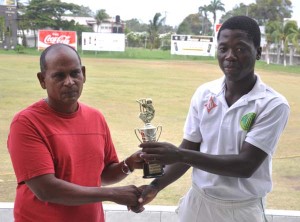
(137, 135)
(157, 129)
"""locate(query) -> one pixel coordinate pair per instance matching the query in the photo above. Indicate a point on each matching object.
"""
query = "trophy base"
(153, 171)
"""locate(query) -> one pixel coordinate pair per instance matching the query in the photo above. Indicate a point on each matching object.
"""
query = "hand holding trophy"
(148, 134)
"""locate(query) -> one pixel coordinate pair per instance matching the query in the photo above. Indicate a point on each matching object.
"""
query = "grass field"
(113, 85)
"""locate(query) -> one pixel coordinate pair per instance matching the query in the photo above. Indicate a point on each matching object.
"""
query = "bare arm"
(48, 188)
(113, 173)
(172, 173)
(176, 170)
(243, 164)
(51, 189)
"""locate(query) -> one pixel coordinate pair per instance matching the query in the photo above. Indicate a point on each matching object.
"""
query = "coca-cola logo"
(49, 39)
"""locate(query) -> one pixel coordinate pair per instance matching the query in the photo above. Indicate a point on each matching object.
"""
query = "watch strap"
(125, 168)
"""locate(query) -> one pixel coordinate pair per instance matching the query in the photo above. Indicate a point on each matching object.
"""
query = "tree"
(2, 28)
(294, 36)
(272, 10)
(134, 25)
(84, 11)
(37, 17)
(271, 37)
(203, 13)
(100, 17)
(153, 30)
(281, 34)
(213, 7)
(136, 39)
(240, 9)
(191, 25)
(23, 23)
(263, 11)
(40, 14)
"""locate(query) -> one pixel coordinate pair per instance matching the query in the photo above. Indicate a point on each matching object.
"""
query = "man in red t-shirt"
(62, 151)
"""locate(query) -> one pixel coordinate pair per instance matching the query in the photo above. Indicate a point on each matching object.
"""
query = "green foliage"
(83, 11)
(272, 10)
(40, 14)
(214, 6)
(153, 30)
(20, 49)
(191, 25)
(206, 26)
(2, 28)
(136, 39)
(263, 11)
(294, 38)
(240, 9)
(283, 35)
(134, 25)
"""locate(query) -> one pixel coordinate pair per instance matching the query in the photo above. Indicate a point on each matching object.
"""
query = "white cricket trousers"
(196, 206)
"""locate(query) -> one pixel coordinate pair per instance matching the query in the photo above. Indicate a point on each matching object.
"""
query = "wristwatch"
(125, 168)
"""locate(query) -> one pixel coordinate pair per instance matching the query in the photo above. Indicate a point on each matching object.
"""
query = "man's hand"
(162, 153)
(135, 161)
(149, 192)
(126, 195)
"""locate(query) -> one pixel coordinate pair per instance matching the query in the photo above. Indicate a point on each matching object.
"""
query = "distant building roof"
(80, 20)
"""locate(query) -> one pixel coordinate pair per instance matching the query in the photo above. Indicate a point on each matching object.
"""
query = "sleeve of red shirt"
(26, 147)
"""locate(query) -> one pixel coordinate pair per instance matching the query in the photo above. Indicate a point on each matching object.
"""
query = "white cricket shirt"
(258, 117)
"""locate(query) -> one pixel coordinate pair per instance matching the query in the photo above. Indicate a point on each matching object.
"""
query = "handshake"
(152, 153)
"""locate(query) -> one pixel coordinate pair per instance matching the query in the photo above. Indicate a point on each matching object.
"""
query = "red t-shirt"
(75, 147)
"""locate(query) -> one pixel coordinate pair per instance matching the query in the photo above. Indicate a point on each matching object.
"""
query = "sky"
(174, 11)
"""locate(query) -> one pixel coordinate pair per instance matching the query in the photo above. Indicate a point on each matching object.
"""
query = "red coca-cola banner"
(50, 37)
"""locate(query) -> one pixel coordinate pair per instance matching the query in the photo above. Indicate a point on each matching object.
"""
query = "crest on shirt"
(210, 104)
(247, 121)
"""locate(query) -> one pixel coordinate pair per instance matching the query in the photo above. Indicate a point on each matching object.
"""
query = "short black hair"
(244, 23)
(43, 65)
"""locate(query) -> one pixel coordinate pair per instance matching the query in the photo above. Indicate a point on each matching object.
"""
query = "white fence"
(152, 213)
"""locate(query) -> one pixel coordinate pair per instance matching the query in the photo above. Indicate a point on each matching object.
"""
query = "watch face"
(125, 168)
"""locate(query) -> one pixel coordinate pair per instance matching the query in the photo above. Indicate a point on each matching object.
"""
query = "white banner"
(8, 2)
(192, 45)
(103, 41)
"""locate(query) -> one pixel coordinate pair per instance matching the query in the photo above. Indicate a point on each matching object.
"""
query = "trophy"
(149, 134)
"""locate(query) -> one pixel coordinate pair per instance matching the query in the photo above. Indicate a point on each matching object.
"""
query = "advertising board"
(50, 37)
(196, 45)
(103, 41)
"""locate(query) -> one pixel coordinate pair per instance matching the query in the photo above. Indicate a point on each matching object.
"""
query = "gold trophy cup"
(149, 133)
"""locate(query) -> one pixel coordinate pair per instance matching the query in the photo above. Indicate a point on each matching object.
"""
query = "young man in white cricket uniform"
(230, 135)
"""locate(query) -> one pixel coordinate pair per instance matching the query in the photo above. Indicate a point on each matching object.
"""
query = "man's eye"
(240, 50)
(59, 76)
(222, 49)
(75, 73)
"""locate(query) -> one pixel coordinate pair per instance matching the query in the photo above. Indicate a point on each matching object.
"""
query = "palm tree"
(153, 29)
(100, 17)
(271, 37)
(214, 6)
(293, 36)
(203, 10)
(282, 34)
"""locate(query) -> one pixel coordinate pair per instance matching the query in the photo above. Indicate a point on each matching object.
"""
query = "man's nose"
(230, 55)
(69, 81)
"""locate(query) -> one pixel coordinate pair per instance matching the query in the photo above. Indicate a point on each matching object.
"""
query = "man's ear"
(83, 73)
(258, 54)
(41, 77)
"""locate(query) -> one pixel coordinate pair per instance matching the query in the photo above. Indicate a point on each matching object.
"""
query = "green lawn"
(113, 85)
